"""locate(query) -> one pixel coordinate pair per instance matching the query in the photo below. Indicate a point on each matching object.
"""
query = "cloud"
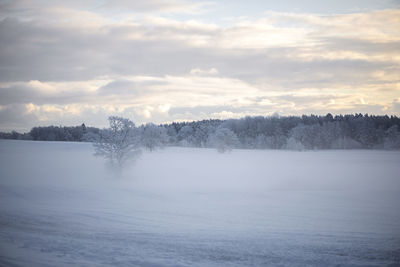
(47, 93)
(67, 52)
(196, 71)
(394, 107)
(119, 87)
(72, 60)
(16, 117)
(164, 6)
(36, 9)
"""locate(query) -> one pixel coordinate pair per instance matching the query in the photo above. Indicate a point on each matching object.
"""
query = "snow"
(60, 206)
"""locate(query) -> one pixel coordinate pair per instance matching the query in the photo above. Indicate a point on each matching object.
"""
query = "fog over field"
(60, 206)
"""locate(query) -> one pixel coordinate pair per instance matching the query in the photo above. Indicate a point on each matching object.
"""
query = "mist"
(62, 206)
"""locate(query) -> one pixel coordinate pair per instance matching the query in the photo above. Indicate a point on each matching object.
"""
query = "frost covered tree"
(185, 136)
(392, 141)
(294, 144)
(118, 143)
(274, 132)
(224, 140)
(153, 136)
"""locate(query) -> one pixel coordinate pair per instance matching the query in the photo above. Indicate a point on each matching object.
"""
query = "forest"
(308, 132)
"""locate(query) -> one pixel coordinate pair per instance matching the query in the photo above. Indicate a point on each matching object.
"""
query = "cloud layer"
(72, 63)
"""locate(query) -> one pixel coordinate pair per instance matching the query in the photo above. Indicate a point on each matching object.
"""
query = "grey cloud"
(15, 117)
(358, 108)
(174, 6)
(18, 94)
(306, 100)
(20, 5)
(18, 117)
(30, 7)
(294, 73)
(161, 32)
(49, 53)
(364, 46)
(128, 88)
(199, 110)
(395, 107)
(23, 94)
(32, 51)
(121, 87)
(37, 50)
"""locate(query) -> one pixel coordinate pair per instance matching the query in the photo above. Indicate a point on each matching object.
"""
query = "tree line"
(273, 132)
(53, 133)
(293, 132)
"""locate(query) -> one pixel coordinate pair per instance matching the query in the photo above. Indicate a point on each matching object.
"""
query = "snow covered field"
(60, 206)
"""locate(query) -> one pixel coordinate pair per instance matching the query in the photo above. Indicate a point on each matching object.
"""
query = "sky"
(73, 62)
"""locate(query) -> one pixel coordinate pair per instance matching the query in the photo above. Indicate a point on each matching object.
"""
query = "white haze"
(61, 206)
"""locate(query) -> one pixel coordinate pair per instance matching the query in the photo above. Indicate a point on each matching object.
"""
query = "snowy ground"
(60, 206)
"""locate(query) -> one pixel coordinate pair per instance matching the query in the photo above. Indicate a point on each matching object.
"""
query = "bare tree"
(119, 143)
